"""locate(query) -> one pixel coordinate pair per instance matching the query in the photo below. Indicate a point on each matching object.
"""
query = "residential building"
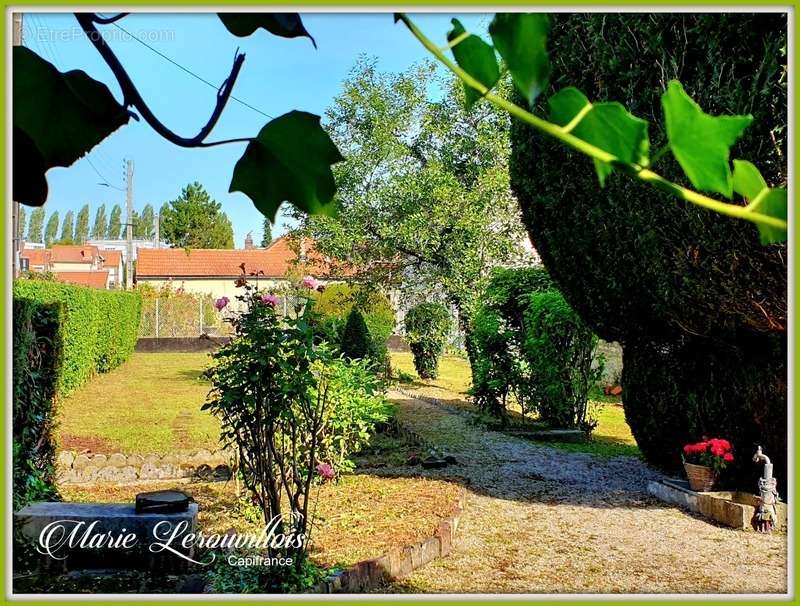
(122, 246)
(215, 271)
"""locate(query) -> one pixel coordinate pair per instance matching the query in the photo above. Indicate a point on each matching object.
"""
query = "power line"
(99, 174)
(188, 71)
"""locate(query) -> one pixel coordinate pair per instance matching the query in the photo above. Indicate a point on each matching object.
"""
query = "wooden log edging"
(399, 562)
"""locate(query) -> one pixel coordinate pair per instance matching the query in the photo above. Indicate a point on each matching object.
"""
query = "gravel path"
(542, 520)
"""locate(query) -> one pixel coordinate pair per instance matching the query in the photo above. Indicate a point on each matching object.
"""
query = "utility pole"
(158, 230)
(129, 230)
(15, 239)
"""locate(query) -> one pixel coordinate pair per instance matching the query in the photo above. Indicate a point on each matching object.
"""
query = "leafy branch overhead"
(606, 132)
(59, 117)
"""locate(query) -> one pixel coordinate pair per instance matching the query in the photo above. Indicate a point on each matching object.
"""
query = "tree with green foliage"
(82, 225)
(195, 220)
(427, 328)
(67, 229)
(100, 226)
(356, 342)
(21, 222)
(266, 238)
(36, 225)
(424, 195)
(144, 227)
(115, 223)
(51, 230)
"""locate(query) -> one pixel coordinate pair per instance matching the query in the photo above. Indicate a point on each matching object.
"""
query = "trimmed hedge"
(427, 326)
(666, 407)
(63, 334)
(673, 283)
(356, 343)
(99, 327)
(37, 358)
(559, 350)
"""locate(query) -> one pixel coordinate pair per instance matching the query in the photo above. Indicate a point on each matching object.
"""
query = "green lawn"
(611, 437)
(150, 404)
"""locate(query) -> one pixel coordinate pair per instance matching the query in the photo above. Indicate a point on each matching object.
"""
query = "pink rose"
(309, 282)
(326, 471)
(221, 303)
(270, 300)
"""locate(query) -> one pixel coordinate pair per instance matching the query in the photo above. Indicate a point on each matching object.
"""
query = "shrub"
(332, 308)
(356, 342)
(262, 382)
(37, 357)
(99, 327)
(559, 349)
(355, 407)
(500, 369)
(659, 276)
(293, 412)
(427, 328)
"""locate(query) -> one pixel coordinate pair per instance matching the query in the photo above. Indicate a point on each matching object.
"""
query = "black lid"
(162, 501)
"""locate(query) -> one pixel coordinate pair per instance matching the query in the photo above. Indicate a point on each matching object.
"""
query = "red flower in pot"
(704, 461)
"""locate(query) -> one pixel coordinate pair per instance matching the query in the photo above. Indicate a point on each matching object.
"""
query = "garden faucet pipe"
(760, 457)
(766, 513)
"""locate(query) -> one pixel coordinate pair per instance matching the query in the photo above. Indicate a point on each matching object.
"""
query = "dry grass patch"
(360, 517)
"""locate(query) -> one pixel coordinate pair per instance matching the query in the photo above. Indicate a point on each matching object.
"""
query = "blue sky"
(278, 75)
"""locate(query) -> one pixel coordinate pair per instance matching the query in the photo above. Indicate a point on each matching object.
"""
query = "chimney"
(248, 241)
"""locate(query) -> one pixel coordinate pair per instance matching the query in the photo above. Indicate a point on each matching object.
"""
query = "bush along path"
(543, 520)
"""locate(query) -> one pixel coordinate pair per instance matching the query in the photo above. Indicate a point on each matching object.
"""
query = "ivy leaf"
(286, 25)
(748, 183)
(608, 126)
(58, 117)
(521, 40)
(477, 58)
(701, 143)
(747, 180)
(774, 204)
(289, 161)
(30, 185)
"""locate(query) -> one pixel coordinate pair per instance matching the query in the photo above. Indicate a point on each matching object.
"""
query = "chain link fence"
(185, 315)
(191, 315)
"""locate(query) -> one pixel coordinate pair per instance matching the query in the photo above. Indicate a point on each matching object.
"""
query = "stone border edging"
(399, 562)
(436, 402)
(74, 468)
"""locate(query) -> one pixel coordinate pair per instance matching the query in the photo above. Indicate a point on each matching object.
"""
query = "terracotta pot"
(701, 478)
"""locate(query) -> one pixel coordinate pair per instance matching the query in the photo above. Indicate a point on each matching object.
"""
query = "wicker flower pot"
(701, 478)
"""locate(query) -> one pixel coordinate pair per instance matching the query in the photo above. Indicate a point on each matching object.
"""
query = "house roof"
(111, 257)
(73, 253)
(274, 261)
(36, 256)
(95, 279)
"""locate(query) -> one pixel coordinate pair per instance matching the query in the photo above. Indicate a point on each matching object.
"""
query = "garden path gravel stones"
(543, 520)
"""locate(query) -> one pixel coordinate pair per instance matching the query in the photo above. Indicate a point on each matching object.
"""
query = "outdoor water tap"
(766, 513)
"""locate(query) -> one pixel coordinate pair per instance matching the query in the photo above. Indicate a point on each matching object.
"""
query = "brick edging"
(399, 562)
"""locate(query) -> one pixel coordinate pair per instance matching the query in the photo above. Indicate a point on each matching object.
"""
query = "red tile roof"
(275, 261)
(111, 257)
(36, 256)
(95, 279)
(73, 253)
